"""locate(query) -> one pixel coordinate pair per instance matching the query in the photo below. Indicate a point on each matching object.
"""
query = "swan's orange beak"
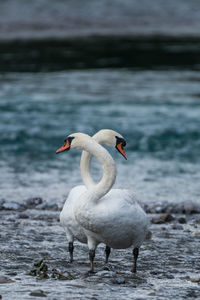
(64, 148)
(121, 150)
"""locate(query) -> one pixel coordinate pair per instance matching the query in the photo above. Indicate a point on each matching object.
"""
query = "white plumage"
(112, 217)
(72, 228)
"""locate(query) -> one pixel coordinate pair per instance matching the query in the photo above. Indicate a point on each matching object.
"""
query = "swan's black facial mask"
(120, 144)
(66, 146)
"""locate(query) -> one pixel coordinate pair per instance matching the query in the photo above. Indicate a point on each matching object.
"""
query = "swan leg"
(71, 249)
(135, 256)
(91, 256)
(107, 251)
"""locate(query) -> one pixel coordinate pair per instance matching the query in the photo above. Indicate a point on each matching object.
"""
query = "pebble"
(48, 205)
(2, 201)
(105, 273)
(191, 294)
(195, 279)
(61, 276)
(23, 216)
(162, 219)
(12, 206)
(198, 221)
(191, 208)
(177, 227)
(12, 273)
(197, 234)
(182, 220)
(149, 235)
(33, 202)
(38, 293)
(188, 207)
(119, 280)
(152, 293)
(169, 276)
(4, 279)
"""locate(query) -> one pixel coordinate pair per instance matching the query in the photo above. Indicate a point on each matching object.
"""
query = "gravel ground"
(168, 264)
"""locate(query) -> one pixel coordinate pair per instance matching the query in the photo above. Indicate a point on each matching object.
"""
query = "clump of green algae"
(41, 271)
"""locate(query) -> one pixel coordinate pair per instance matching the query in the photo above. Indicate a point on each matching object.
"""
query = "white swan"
(71, 226)
(115, 219)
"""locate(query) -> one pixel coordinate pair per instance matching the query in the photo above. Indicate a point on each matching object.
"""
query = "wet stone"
(191, 208)
(177, 227)
(38, 293)
(165, 218)
(149, 235)
(182, 220)
(33, 202)
(48, 205)
(119, 280)
(4, 279)
(44, 217)
(12, 206)
(157, 220)
(154, 273)
(61, 276)
(191, 294)
(38, 238)
(152, 293)
(158, 209)
(12, 273)
(197, 234)
(23, 216)
(169, 276)
(105, 273)
(196, 279)
(2, 201)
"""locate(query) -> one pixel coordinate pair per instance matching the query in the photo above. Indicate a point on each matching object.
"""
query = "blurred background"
(68, 66)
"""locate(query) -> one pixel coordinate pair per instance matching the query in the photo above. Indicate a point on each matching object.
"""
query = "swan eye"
(69, 139)
(121, 141)
(124, 143)
(120, 144)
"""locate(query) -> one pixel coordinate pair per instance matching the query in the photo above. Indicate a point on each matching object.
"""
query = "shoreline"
(99, 52)
(164, 207)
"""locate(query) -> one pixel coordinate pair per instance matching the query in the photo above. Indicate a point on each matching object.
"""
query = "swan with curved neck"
(117, 220)
(71, 226)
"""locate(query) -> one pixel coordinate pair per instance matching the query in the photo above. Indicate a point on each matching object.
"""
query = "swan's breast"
(67, 218)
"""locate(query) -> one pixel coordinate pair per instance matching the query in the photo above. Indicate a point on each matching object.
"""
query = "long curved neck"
(85, 162)
(85, 169)
(108, 166)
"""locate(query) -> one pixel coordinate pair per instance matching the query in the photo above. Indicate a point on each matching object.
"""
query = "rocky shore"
(34, 256)
(185, 207)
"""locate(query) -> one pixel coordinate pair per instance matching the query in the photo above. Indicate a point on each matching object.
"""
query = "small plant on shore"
(41, 271)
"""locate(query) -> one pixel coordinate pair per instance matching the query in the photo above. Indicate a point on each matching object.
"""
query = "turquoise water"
(158, 112)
